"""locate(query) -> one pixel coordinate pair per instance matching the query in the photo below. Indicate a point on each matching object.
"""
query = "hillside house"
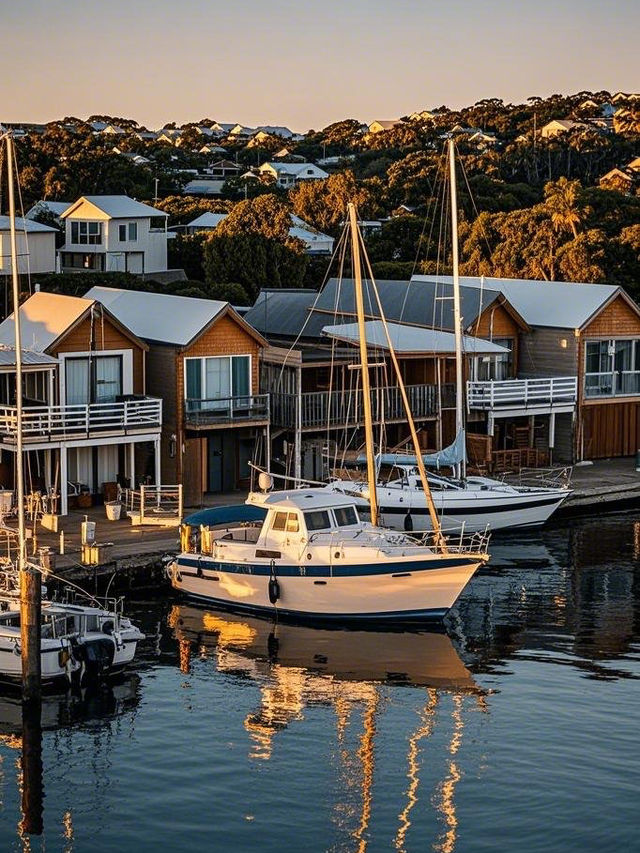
(287, 175)
(556, 127)
(86, 419)
(204, 361)
(380, 125)
(35, 246)
(114, 233)
(316, 243)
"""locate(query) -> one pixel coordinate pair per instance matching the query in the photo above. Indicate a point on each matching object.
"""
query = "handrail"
(493, 394)
(241, 406)
(81, 418)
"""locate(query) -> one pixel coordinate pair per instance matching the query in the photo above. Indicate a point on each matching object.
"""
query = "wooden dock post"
(31, 765)
(30, 630)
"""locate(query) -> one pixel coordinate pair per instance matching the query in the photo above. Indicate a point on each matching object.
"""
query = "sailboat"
(472, 503)
(306, 553)
(77, 642)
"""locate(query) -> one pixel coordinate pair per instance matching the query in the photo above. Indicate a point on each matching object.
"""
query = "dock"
(135, 555)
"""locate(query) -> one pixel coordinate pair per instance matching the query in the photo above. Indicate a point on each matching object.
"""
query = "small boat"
(306, 553)
(78, 644)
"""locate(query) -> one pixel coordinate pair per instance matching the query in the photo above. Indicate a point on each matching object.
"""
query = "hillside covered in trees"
(534, 202)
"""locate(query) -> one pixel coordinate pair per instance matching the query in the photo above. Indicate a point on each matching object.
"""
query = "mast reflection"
(299, 667)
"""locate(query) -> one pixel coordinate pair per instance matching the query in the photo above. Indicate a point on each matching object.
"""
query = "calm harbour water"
(517, 730)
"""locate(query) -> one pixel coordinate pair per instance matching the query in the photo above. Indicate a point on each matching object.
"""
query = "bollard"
(62, 541)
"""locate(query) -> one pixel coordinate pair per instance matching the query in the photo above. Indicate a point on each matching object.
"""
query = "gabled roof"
(410, 340)
(115, 207)
(55, 207)
(207, 220)
(45, 318)
(554, 304)
(166, 319)
(28, 225)
(282, 313)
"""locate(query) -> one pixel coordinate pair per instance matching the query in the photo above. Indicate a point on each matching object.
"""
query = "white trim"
(127, 367)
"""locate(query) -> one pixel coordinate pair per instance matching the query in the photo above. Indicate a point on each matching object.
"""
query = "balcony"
(250, 409)
(554, 393)
(61, 423)
(335, 409)
(621, 383)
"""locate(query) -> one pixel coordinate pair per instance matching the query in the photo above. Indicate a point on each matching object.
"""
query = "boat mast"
(364, 363)
(18, 345)
(457, 317)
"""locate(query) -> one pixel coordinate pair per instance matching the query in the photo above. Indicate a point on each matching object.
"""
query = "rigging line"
(442, 234)
(336, 304)
(466, 180)
(341, 241)
(21, 206)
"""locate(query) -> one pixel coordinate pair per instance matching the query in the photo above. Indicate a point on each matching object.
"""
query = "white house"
(379, 126)
(288, 174)
(35, 246)
(316, 243)
(558, 126)
(114, 233)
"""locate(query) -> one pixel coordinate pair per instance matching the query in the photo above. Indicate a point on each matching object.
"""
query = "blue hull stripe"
(472, 509)
(396, 616)
(337, 571)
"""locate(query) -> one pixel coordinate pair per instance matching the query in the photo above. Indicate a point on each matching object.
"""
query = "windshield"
(346, 515)
(318, 520)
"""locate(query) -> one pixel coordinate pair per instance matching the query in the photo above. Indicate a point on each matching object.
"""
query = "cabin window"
(317, 520)
(293, 525)
(346, 515)
(279, 521)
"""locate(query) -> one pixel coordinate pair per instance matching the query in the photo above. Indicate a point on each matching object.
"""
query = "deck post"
(132, 464)
(64, 477)
(157, 461)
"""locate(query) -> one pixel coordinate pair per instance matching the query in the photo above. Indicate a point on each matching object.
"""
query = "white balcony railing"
(522, 393)
(55, 422)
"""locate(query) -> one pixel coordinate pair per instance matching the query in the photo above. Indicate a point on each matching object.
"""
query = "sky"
(304, 64)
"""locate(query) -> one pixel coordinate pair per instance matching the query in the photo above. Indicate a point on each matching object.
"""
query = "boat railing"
(536, 478)
(459, 541)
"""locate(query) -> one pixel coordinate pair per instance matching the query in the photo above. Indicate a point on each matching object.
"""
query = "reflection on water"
(358, 740)
(298, 667)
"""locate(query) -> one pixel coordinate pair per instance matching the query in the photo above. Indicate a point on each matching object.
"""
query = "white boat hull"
(401, 593)
(468, 509)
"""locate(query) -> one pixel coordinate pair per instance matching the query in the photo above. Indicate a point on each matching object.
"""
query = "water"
(518, 733)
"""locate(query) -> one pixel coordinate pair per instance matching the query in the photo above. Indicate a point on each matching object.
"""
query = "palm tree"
(561, 199)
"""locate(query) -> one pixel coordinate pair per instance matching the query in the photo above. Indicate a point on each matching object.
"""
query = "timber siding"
(106, 336)
(496, 322)
(608, 426)
(161, 382)
(542, 353)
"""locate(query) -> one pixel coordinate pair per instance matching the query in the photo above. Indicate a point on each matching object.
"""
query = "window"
(86, 233)
(96, 380)
(128, 231)
(345, 516)
(496, 367)
(122, 233)
(317, 520)
(133, 231)
(612, 368)
(284, 521)
(211, 382)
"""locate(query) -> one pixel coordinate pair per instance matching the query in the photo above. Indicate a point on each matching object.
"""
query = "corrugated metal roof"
(282, 313)
(27, 225)
(410, 339)
(117, 206)
(554, 304)
(44, 317)
(158, 317)
(418, 302)
(207, 220)
(29, 358)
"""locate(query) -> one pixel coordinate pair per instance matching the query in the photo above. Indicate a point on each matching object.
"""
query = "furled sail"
(448, 457)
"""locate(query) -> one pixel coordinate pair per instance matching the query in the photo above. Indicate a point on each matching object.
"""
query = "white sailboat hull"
(472, 509)
(426, 589)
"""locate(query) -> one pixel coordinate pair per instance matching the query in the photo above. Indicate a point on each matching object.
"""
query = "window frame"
(203, 374)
